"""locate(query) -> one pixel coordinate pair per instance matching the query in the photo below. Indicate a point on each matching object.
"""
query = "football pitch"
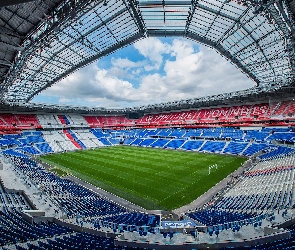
(148, 177)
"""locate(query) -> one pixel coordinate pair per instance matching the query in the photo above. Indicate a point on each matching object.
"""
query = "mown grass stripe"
(133, 185)
(151, 178)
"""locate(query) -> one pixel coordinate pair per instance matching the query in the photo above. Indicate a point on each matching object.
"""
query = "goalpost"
(215, 166)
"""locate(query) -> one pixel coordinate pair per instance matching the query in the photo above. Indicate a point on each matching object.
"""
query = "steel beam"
(165, 33)
(262, 51)
(216, 12)
(73, 42)
(13, 2)
(224, 52)
(254, 42)
(9, 32)
(208, 42)
(5, 64)
(276, 15)
(10, 27)
(109, 50)
(190, 15)
(219, 13)
(166, 3)
(21, 17)
(134, 11)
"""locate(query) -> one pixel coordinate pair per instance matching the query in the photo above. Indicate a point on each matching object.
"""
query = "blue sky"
(152, 70)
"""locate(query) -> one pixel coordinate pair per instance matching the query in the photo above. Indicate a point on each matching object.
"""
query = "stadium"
(211, 172)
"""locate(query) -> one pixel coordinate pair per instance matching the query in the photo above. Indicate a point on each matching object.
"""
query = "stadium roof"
(254, 95)
(44, 41)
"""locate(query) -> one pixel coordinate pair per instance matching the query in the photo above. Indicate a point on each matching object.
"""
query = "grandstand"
(259, 196)
(251, 208)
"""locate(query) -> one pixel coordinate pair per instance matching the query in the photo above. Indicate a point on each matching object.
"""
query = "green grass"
(59, 172)
(151, 178)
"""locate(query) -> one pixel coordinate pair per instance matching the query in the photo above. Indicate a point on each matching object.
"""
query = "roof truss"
(72, 34)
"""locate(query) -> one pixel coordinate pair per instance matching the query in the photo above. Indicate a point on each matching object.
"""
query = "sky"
(150, 71)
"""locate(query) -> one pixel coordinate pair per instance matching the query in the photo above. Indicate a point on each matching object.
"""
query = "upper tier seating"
(76, 120)
(92, 121)
(247, 114)
(28, 121)
(280, 110)
(10, 119)
(105, 121)
(63, 119)
(290, 110)
(49, 121)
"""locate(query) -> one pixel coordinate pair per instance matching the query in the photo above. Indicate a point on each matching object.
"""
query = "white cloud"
(152, 49)
(125, 63)
(186, 74)
(182, 48)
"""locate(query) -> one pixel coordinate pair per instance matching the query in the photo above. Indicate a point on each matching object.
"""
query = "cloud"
(187, 71)
(125, 63)
(181, 48)
(125, 68)
(152, 49)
